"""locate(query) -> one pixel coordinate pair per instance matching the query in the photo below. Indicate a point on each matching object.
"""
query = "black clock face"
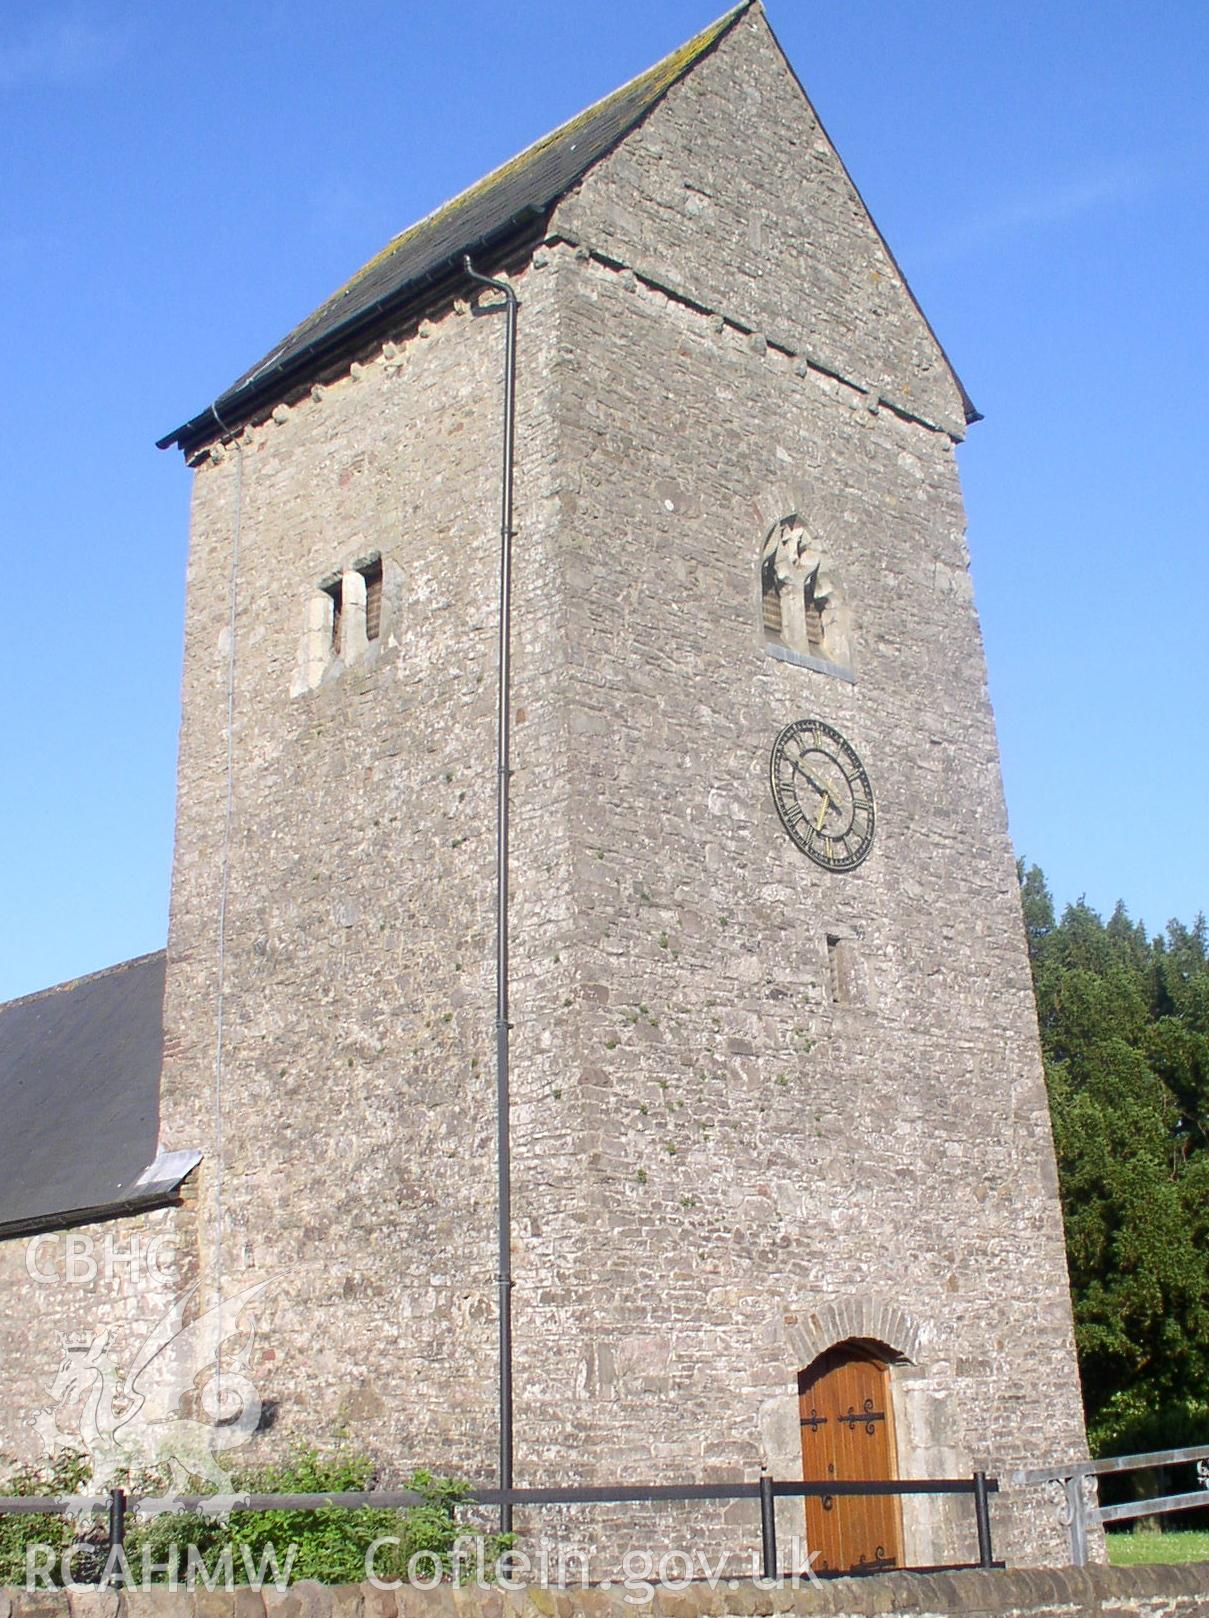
(822, 794)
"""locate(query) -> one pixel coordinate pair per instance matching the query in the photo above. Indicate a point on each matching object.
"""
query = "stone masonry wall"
(719, 1171)
(776, 1172)
(1135, 1592)
(93, 1295)
(731, 190)
(762, 1160)
(348, 1131)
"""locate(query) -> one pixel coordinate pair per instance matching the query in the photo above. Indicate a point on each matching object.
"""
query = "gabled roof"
(492, 212)
(79, 1095)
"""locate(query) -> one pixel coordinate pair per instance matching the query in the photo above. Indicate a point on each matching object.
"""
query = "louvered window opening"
(373, 600)
(814, 625)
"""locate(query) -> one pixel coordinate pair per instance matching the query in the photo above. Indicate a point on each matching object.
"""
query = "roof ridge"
(85, 977)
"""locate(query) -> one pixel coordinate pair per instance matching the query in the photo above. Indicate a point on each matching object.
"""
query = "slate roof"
(79, 1098)
(497, 208)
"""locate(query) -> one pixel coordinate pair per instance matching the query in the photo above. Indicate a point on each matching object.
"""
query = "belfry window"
(345, 618)
(814, 616)
(356, 598)
(771, 603)
(802, 610)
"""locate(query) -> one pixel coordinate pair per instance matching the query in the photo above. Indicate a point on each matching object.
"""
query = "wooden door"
(848, 1435)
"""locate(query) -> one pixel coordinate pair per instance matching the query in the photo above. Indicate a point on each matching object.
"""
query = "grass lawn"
(1128, 1550)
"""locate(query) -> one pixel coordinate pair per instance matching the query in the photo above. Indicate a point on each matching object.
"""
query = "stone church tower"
(778, 1108)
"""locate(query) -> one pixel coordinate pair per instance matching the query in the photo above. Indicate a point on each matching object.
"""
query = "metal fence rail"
(1077, 1482)
(119, 1504)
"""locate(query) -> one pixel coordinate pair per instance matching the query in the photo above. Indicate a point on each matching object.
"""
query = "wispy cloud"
(62, 47)
(1032, 209)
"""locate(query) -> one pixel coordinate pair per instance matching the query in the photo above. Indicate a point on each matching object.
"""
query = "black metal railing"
(119, 1504)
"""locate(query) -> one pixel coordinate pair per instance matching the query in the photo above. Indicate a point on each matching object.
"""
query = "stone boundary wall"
(1180, 1591)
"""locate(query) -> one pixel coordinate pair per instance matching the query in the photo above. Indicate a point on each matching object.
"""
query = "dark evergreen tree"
(1124, 1025)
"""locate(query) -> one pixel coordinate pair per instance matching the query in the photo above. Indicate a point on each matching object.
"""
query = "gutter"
(158, 1186)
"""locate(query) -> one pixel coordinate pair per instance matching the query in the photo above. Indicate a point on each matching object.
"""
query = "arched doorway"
(848, 1435)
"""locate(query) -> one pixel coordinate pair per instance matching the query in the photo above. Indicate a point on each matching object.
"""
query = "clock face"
(822, 794)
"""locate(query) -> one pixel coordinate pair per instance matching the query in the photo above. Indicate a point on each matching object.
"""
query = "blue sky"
(181, 187)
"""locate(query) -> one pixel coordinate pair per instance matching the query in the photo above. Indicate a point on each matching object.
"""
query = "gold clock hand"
(818, 825)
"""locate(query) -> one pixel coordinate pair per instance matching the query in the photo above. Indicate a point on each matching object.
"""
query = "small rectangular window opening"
(372, 575)
(835, 971)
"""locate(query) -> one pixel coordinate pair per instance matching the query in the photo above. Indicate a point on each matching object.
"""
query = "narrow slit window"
(835, 971)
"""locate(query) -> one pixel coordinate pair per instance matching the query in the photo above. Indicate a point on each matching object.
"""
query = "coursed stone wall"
(79, 1305)
(347, 1131)
(777, 1172)
(1137, 1592)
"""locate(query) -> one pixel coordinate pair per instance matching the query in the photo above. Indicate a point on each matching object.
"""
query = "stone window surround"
(804, 660)
(318, 658)
(776, 505)
(846, 976)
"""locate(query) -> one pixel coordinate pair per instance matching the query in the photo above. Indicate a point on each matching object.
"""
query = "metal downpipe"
(503, 776)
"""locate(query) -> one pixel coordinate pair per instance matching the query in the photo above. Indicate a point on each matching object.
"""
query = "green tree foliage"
(1124, 1025)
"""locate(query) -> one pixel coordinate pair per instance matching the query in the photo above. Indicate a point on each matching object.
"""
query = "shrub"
(329, 1544)
(66, 1475)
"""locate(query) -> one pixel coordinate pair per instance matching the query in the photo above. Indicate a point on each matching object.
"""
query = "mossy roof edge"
(524, 187)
